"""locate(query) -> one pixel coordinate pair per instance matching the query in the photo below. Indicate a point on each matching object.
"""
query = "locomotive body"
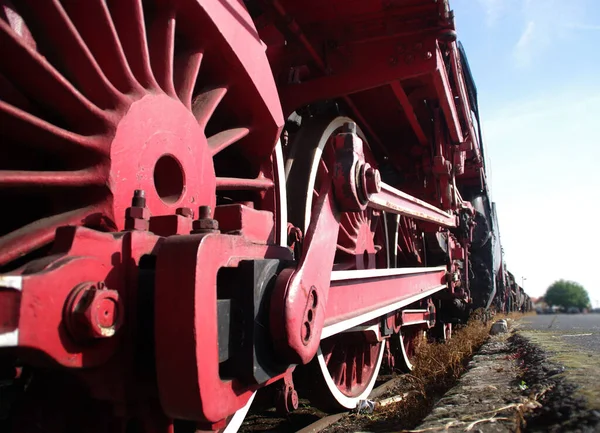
(212, 197)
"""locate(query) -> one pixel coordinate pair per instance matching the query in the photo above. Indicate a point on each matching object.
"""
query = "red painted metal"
(131, 115)
(349, 171)
(298, 304)
(358, 296)
(187, 358)
(132, 98)
(75, 308)
(446, 98)
(392, 200)
(417, 317)
(254, 225)
(409, 112)
(373, 64)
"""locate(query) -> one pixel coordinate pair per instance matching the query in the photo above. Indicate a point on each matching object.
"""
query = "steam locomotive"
(207, 198)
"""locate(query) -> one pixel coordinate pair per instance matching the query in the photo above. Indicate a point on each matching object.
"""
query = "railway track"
(414, 391)
(308, 419)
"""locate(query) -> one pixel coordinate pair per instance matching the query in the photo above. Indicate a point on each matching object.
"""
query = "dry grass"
(438, 363)
(437, 368)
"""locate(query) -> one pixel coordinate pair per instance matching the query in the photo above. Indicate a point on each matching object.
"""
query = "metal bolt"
(372, 180)
(204, 212)
(139, 198)
(137, 217)
(92, 312)
(428, 55)
(205, 223)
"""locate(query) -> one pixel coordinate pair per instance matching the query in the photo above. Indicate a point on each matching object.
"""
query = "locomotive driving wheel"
(104, 97)
(101, 98)
(345, 368)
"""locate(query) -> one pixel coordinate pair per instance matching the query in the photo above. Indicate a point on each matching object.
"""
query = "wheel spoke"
(96, 27)
(11, 95)
(45, 179)
(344, 237)
(128, 18)
(72, 53)
(234, 183)
(41, 82)
(353, 221)
(224, 139)
(187, 67)
(162, 48)
(37, 132)
(323, 170)
(205, 104)
(345, 250)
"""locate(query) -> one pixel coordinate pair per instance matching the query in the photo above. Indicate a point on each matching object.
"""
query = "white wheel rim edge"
(238, 418)
(345, 401)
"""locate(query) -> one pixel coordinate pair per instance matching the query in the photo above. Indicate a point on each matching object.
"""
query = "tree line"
(567, 294)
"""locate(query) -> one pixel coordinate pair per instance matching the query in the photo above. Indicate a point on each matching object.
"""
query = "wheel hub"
(160, 148)
(365, 245)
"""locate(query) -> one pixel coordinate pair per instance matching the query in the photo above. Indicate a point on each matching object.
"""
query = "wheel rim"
(114, 96)
(405, 348)
(346, 365)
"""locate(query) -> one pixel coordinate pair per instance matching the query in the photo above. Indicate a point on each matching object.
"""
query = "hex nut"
(92, 312)
(138, 213)
(207, 224)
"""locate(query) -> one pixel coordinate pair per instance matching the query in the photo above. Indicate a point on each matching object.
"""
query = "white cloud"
(493, 9)
(543, 24)
(523, 51)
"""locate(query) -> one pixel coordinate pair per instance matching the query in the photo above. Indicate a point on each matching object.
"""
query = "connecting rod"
(391, 200)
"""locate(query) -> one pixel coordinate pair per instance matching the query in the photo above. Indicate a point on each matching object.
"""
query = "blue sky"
(537, 68)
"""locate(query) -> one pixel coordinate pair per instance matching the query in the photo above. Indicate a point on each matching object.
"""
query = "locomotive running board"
(356, 297)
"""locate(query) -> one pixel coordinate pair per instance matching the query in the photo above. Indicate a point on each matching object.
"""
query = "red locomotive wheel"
(100, 98)
(346, 366)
